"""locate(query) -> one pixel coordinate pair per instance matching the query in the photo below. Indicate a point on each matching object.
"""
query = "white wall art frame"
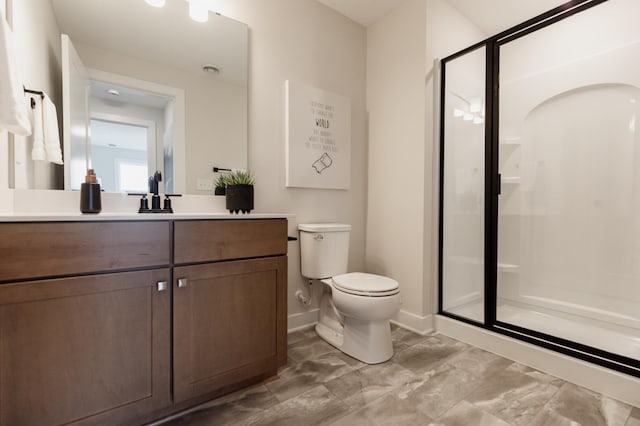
(317, 138)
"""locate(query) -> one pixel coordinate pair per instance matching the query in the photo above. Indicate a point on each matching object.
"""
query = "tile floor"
(431, 380)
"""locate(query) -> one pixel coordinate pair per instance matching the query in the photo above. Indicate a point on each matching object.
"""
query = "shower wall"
(571, 224)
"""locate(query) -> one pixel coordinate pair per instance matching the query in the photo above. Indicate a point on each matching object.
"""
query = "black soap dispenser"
(90, 201)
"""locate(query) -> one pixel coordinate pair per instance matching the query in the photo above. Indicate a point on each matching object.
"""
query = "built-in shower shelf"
(510, 142)
(510, 180)
(470, 260)
(508, 267)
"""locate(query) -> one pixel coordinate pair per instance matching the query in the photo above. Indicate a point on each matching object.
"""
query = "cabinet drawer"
(31, 250)
(211, 240)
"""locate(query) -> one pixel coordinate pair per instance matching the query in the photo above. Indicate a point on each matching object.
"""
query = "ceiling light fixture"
(211, 69)
(198, 10)
(155, 3)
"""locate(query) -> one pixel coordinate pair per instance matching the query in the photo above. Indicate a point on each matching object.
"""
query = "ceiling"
(491, 16)
(365, 12)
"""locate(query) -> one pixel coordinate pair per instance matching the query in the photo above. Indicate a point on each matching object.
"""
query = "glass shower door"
(569, 160)
(462, 252)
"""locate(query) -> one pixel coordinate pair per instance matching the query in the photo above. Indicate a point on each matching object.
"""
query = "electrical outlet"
(204, 184)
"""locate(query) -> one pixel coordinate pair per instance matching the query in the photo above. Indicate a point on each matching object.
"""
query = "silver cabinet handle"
(182, 283)
(162, 285)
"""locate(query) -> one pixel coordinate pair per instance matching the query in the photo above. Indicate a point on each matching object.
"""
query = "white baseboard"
(415, 323)
(603, 380)
(302, 320)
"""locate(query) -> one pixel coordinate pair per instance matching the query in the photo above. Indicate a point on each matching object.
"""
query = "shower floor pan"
(602, 335)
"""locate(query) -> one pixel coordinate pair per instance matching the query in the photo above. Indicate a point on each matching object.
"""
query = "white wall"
(304, 41)
(38, 44)
(4, 135)
(396, 106)
(403, 194)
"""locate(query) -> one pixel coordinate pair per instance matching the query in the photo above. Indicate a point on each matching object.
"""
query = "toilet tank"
(324, 249)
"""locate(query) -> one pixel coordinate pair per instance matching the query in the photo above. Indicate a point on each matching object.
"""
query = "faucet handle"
(167, 202)
(144, 202)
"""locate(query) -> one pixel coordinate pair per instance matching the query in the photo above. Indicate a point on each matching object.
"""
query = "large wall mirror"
(145, 89)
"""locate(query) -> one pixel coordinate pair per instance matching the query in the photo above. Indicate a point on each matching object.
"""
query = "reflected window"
(131, 175)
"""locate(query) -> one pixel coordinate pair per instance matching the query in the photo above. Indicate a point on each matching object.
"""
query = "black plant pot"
(220, 190)
(239, 198)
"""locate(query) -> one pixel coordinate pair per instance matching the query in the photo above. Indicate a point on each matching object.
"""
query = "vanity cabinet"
(81, 339)
(123, 322)
(229, 316)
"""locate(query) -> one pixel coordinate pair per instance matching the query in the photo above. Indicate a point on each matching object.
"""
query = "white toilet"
(356, 307)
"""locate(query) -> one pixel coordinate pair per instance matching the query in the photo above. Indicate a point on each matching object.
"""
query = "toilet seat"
(367, 285)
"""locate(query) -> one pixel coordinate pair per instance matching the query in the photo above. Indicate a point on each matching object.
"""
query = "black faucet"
(155, 198)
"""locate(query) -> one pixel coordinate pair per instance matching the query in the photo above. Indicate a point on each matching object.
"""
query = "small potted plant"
(240, 191)
(221, 185)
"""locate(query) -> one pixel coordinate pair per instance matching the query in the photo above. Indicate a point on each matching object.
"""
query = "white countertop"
(74, 217)
(64, 206)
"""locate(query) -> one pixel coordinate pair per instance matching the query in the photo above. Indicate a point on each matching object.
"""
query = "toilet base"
(367, 341)
(329, 335)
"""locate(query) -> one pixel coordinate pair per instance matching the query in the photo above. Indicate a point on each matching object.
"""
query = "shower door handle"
(499, 184)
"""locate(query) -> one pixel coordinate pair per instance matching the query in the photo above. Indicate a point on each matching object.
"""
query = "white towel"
(46, 136)
(13, 112)
(37, 152)
(51, 131)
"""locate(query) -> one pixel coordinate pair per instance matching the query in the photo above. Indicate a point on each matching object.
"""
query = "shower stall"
(540, 183)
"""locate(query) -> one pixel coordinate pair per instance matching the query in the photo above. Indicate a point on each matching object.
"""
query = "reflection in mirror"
(161, 48)
(128, 127)
(119, 149)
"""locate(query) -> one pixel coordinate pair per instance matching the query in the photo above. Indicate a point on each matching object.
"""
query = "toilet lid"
(365, 284)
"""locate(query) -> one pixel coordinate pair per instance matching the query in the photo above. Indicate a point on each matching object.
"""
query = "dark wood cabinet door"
(88, 350)
(229, 323)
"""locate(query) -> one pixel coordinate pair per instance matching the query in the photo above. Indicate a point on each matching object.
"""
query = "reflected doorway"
(121, 150)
